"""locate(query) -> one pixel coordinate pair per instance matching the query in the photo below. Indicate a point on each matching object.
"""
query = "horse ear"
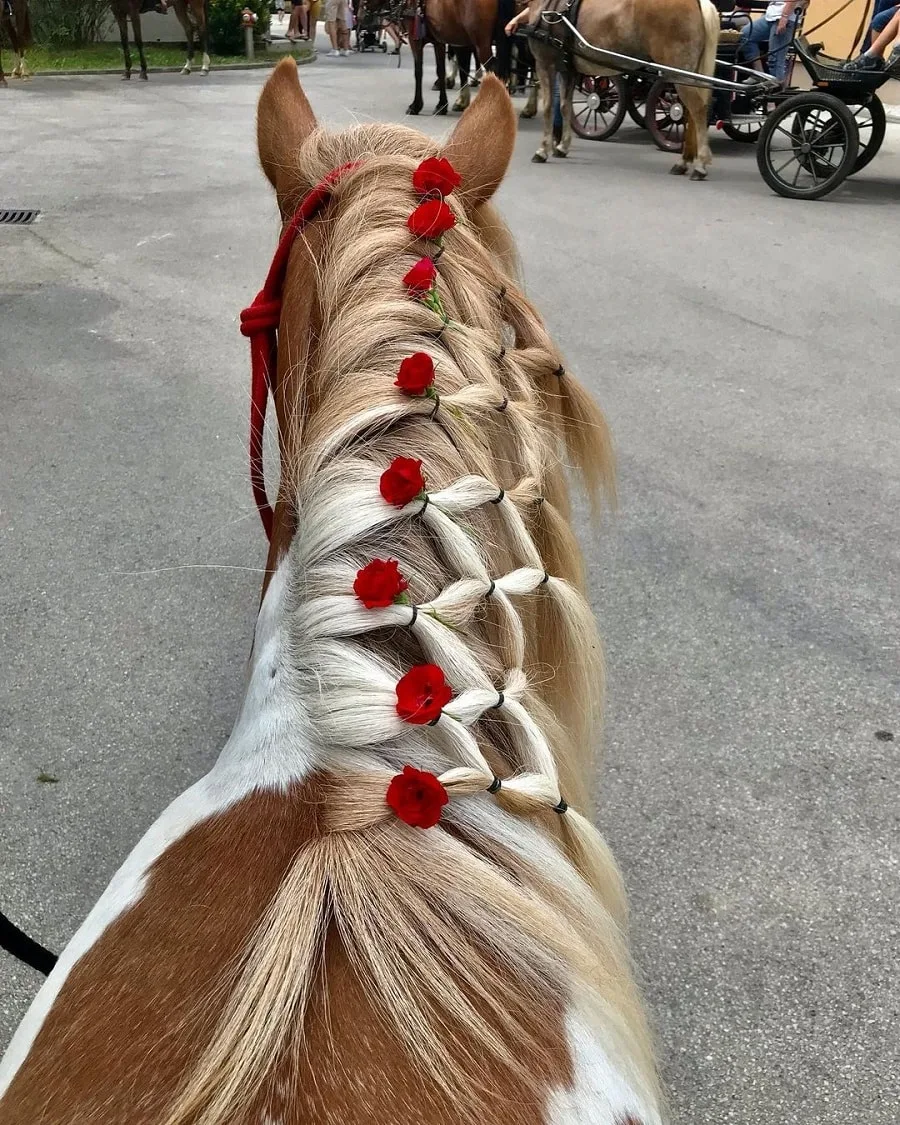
(284, 119)
(481, 145)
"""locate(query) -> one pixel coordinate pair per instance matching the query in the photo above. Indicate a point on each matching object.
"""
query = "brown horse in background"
(462, 24)
(678, 33)
(191, 15)
(15, 25)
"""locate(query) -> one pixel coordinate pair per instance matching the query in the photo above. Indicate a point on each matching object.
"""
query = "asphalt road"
(744, 347)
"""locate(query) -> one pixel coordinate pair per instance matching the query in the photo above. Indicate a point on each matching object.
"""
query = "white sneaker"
(333, 54)
(345, 52)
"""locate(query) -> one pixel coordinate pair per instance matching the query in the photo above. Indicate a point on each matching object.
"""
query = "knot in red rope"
(261, 316)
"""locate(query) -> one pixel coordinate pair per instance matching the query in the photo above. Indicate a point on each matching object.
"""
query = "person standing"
(336, 27)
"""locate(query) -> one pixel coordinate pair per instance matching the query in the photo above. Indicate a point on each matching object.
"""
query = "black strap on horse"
(26, 949)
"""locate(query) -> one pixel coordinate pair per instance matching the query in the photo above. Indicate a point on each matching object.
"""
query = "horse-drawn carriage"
(808, 141)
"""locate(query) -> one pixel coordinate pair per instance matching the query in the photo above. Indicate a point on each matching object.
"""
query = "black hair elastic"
(424, 504)
(545, 579)
(415, 614)
(495, 785)
(503, 405)
(491, 588)
(561, 807)
(434, 722)
(440, 331)
(498, 497)
(501, 355)
(437, 253)
(437, 403)
(501, 699)
(560, 371)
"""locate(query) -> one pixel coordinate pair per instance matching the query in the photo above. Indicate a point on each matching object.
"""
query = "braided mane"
(495, 600)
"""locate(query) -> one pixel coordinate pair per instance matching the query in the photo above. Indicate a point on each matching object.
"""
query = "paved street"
(744, 348)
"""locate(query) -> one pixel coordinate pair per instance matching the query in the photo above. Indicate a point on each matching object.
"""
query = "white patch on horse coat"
(600, 1094)
(205, 67)
(268, 748)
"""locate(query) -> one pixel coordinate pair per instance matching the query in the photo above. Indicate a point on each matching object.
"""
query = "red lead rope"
(260, 323)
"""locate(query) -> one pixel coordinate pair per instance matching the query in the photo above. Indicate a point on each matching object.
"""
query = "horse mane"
(426, 917)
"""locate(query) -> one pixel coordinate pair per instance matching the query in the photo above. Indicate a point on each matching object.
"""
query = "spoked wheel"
(638, 86)
(871, 123)
(665, 116)
(747, 132)
(808, 146)
(598, 106)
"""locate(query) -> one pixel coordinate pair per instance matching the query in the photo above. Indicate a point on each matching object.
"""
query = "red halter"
(260, 323)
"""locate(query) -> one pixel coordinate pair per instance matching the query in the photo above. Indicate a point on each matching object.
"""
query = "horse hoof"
(527, 114)
(185, 70)
(440, 111)
(678, 170)
(451, 83)
(559, 152)
(3, 83)
(695, 175)
(460, 107)
(126, 77)
(144, 76)
(204, 72)
(413, 110)
(539, 158)
(436, 85)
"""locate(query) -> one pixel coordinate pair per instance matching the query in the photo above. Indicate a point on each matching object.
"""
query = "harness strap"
(26, 949)
(260, 321)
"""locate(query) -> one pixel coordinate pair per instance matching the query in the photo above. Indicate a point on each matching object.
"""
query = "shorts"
(336, 12)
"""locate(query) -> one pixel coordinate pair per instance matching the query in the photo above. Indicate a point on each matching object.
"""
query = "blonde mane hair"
(426, 916)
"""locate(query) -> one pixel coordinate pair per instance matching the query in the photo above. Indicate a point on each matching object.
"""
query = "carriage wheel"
(638, 87)
(666, 116)
(871, 123)
(808, 146)
(746, 132)
(598, 106)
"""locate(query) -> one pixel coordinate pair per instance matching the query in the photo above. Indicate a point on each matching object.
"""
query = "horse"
(381, 903)
(678, 33)
(15, 24)
(462, 24)
(192, 15)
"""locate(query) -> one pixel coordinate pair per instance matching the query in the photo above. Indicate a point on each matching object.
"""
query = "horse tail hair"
(710, 17)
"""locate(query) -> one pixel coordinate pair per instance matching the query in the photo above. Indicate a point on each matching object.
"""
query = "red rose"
(379, 583)
(402, 481)
(435, 174)
(421, 277)
(422, 694)
(416, 374)
(417, 797)
(431, 219)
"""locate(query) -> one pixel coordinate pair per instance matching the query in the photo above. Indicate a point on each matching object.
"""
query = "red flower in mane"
(436, 174)
(422, 694)
(421, 277)
(379, 584)
(417, 797)
(431, 219)
(416, 374)
(402, 481)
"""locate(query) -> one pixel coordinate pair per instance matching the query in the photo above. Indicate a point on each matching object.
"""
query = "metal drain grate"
(17, 217)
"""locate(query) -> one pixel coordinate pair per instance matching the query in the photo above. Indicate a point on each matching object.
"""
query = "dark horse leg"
(184, 18)
(138, 38)
(416, 46)
(120, 11)
(440, 57)
(464, 62)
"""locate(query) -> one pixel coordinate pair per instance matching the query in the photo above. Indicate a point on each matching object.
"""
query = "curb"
(267, 64)
(892, 113)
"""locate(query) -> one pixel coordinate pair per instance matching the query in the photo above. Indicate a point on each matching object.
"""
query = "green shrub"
(70, 22)
(226, 32)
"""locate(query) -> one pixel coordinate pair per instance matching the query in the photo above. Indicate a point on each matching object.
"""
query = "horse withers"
(678, 33)
(382, 903)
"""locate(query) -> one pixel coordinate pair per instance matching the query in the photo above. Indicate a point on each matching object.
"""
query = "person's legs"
(752, 36)
(881, 15)
(873, 59)
(332, 8)
(779, 41)
(343, 32)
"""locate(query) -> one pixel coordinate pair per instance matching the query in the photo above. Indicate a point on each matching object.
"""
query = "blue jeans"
(765, 31)
(882, 15)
